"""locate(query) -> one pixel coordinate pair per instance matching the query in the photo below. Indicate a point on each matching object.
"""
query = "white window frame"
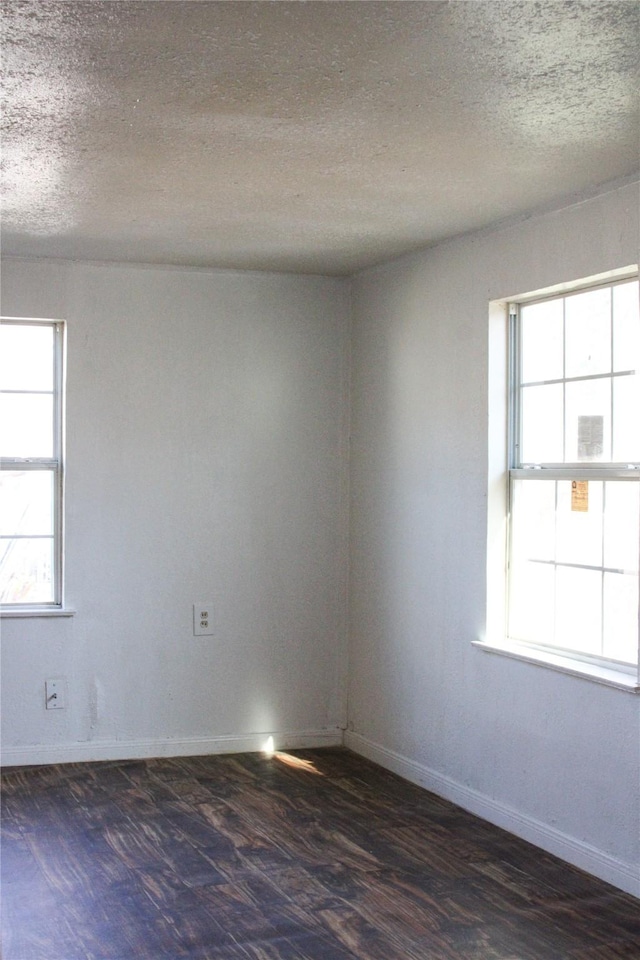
(55, 465)
(503, 467)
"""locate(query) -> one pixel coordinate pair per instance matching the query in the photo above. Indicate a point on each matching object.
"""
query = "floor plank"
(314, 855)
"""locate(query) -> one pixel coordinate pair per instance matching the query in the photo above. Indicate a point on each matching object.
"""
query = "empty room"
(320, 489)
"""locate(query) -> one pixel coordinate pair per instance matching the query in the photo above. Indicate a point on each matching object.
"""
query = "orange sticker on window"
(580, 495)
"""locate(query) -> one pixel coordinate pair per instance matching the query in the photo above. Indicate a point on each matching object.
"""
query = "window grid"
(605, 471)
(52, 465)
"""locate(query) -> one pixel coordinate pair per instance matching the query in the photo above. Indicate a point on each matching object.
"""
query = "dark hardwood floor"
(317, 855)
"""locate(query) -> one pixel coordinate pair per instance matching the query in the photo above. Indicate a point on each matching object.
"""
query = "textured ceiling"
(319, 137)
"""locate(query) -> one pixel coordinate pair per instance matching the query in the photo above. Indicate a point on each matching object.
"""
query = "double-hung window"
(574, 474)
(31, 475)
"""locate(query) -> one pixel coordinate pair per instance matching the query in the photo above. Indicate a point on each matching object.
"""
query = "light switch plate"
(54, 692)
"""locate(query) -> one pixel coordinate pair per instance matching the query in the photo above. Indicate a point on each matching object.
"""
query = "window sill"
(609, 676)
(7, 613)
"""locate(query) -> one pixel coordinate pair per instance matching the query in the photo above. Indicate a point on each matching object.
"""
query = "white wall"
(206, 460)
(552, 757)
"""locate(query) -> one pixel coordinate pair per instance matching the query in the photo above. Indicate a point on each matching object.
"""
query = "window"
(31, 441)
(574, 474)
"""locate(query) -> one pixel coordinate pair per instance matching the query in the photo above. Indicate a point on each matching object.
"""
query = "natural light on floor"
(289, 759)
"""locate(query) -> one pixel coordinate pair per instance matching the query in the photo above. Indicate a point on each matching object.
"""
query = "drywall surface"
(206, 452)
(557, 751)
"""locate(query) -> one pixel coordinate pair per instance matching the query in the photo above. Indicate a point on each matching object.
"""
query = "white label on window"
(590, 437)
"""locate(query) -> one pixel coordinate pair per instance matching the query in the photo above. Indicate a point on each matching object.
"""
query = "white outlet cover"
(203, 619)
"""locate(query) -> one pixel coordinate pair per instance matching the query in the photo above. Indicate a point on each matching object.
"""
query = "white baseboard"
(144, 749)
(623, 875)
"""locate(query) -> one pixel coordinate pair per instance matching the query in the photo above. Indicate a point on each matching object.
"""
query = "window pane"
(541, 424)
(579, 531)
(621, 617)
(532, 602)
(534, 520)
(26, 571)
(26, 357)
(626, 327)
(26, 503)
(579, 609)
(626, 419)
(541, 328)
(621, 525)
(26, 425)
(588, 420)
(588, 333)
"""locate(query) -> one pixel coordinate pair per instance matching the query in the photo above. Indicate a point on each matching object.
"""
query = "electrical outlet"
(202, 619)
(54, 693)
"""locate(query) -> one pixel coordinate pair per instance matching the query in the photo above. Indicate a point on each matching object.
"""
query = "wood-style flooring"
(316, 855)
